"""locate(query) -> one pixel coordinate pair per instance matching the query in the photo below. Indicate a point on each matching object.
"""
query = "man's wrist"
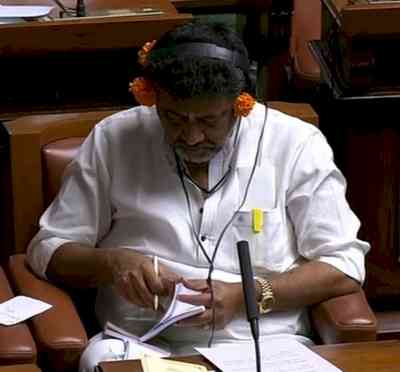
(105, 263)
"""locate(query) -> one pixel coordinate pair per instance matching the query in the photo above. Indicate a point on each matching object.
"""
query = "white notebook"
(176, 311)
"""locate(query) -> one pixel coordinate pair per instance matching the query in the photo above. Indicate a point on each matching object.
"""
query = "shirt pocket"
(269, 247)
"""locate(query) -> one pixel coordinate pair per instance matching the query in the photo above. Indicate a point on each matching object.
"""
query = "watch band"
(267, 295)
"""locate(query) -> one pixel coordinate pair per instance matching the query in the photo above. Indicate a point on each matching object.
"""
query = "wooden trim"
(303, 111)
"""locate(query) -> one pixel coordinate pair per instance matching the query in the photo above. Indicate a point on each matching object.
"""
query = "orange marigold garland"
(144, 52)
(141, 88)
(244, 104)
(143, 91)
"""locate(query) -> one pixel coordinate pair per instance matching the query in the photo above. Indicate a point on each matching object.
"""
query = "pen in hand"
(155, 267)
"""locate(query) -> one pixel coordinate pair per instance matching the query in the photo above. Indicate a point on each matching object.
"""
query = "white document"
(21, 308)
(279, 355)
(177, 311)
(24, 11)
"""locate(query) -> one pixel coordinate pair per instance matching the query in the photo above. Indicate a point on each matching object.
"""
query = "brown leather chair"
(41, 146)
(16, 343)
(306, 26)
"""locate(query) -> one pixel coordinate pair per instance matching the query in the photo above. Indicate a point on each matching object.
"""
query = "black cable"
(254, 330)
(215, 188)
(212, 259)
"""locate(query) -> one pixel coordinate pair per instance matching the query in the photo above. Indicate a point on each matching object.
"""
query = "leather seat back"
(55, 157)
(306, 26)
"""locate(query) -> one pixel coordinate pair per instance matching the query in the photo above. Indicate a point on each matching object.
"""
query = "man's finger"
(200, 285)
(198, 320)
(197, 299)
(138, 285)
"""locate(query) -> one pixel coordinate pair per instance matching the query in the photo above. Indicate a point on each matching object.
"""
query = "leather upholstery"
(345, 319)
(16, 342)
(55, 157)
(59, 329)
(306, 26)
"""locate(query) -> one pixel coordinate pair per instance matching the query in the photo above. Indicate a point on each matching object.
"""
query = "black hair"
(187, 76)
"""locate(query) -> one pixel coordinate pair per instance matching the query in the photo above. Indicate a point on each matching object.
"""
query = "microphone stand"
(80, 8)
(249, 292)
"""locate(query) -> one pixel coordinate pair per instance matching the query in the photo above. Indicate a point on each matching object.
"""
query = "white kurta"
(123, 190)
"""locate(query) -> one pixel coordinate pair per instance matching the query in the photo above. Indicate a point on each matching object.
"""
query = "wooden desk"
(97, 5)
(77, 64)
(88, 33)
(353, 357)
(20, 368)
(202, 6)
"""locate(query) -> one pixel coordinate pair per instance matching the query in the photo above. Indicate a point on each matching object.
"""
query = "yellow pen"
(257, 220)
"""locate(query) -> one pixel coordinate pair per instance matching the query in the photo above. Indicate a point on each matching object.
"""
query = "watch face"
(266, 305)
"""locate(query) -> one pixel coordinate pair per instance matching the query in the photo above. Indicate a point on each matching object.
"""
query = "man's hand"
(228, 301)
(134, 277)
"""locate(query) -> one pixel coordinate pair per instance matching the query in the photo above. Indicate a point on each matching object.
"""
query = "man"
(184, 177)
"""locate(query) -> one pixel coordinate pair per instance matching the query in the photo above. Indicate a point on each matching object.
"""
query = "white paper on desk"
(21, 308)
(279, 355)
(24, 11)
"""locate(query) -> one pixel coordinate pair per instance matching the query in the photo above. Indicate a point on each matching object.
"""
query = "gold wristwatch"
(267, 299)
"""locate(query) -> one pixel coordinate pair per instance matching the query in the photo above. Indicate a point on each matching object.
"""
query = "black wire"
(258, 354)
(212, 259)
(215, 188)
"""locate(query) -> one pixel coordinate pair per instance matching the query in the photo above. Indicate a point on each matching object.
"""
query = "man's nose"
(192, 133)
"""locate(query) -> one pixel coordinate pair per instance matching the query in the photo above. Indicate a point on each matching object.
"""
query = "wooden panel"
(84, 34)
(20, 368)
(373, 173)
(303, 111)
(75, 64)
(361, 18)
(197, 5)
(96, 5)
(365, 138)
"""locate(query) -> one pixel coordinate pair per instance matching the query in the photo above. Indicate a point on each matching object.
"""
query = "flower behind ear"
(143, 91)
(144, 52)
(244, 104)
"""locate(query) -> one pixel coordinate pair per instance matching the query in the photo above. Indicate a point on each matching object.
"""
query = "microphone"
(80, 8)
(79, 11)
(249, 293)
